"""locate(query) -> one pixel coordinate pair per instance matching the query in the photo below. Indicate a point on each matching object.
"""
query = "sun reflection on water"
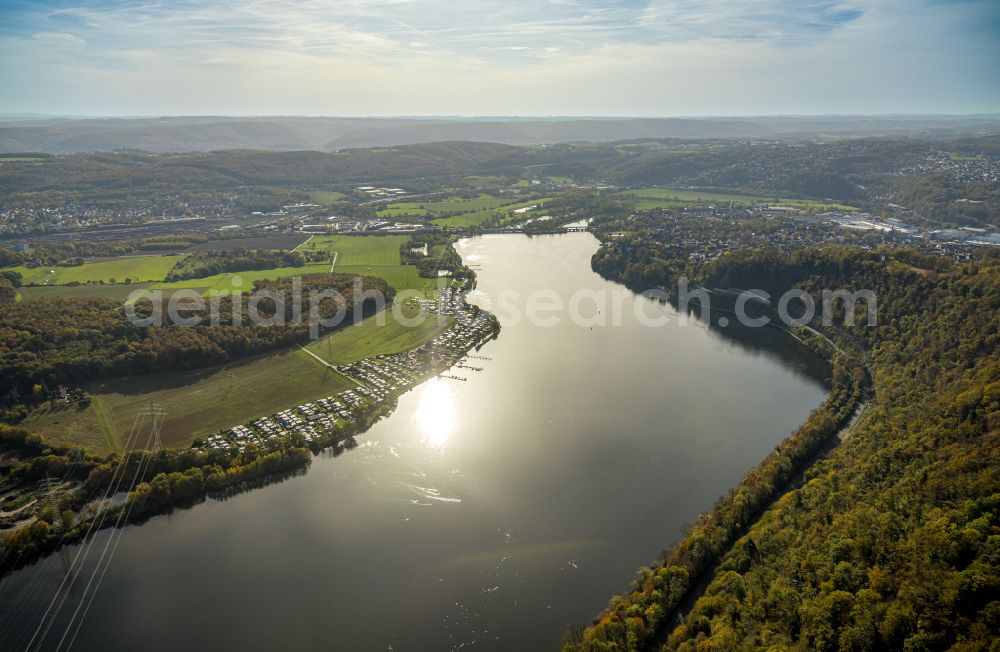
(435, 414)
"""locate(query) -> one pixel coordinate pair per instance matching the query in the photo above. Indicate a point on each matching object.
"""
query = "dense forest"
(892, 540)
(48, 342)
(216, 261)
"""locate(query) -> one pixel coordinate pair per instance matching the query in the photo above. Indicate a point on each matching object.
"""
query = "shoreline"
(188, 476)
(666, 590)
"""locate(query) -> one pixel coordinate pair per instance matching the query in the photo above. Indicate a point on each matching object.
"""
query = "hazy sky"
(513, 57)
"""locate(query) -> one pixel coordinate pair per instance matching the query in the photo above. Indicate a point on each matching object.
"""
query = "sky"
(512, 57)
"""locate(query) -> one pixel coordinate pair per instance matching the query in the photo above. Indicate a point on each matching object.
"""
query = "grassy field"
(403, 208)
(368, 338)
(359, 249)
(240, 281)
(362, 255)
(470, 212)
(354, 253)
(198, 403)
(486, 181)
(136, 268)
(30, 160)
(476, 218)
(483, 202)
(202, 402)
(327, 198)
(463, 205)
(119, 292)
(401, 277)
(647, 198)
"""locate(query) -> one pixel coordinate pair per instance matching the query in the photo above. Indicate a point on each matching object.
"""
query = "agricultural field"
(648, 198)
(202, 402)
(111, 270)
(228, 282)
(457, 211)
(477, 217)
(400, 277)
(359, 249)
(441, 207)
(362, 255)
(118, 292)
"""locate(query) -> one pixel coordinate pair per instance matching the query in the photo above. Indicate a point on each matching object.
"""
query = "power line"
(96, 523)
(154, 410)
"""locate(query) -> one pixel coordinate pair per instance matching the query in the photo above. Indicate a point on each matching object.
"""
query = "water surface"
(482, 514)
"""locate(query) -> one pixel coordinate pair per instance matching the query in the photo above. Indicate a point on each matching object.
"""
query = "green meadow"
(119, 292)
(459, 211)
(363, 255)
(204, 401)
(111, 270)
(477, 217)
(359, 249)
(369, 338)
(327, 197)
(198, 403)
(403, 209)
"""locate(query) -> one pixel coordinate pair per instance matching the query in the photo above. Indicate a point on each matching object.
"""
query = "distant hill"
(208, 133)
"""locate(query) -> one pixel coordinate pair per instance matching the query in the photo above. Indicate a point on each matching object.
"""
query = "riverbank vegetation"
(156, 482)
(891, 541)
(433, 253)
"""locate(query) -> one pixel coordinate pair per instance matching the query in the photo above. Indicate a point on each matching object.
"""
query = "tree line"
(217, 261)
(48, 342)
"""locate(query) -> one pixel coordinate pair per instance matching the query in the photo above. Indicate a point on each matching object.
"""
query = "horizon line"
(29, 115)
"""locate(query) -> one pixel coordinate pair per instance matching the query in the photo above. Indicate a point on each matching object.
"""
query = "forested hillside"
(178, 134)
(46, 342)
(929, 181)
(893, 540)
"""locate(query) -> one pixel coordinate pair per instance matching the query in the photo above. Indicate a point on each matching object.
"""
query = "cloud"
(59, 39)
(645, 57)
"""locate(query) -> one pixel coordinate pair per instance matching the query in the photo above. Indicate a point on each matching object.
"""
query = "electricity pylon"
(157, 414)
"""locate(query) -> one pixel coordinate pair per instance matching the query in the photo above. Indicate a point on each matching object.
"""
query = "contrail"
(422, 33)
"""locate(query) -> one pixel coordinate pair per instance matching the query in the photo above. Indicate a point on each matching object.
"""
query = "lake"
(483, 514)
